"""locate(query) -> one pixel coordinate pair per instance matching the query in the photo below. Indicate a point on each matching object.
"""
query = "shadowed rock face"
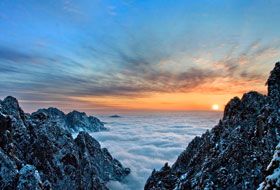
(273, 83)
(38, 153)
(235, 153)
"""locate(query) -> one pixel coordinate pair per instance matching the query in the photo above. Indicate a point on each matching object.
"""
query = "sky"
(108, 55)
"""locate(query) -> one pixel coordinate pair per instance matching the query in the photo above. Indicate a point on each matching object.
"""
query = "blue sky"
(62, 52)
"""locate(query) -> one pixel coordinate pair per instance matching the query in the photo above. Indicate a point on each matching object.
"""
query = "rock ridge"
(36, 152)
(74, 121)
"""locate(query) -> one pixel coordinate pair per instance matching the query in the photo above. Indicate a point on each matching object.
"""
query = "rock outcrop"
(235, 154)
(79, 121)
(36, 152)
(74, 121)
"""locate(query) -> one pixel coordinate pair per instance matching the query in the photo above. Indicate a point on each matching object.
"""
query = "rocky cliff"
(238, 153)
(73, 122)
(36, 152)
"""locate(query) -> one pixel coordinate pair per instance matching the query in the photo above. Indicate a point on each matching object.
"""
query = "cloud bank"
(144, 142)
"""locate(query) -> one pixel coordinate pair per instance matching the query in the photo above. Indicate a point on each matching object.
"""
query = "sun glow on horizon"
(215, 107)
(155, 102)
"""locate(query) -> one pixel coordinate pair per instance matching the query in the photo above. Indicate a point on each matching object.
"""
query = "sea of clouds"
(144, 141)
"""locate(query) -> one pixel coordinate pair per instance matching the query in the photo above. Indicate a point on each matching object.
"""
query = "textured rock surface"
(74, 121)
(272, 180)
(8, 172)
(79, 121)
(36, 152)
(29, 178)
(235, 153)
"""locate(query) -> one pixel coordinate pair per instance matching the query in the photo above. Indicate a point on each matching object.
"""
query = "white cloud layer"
(143, 142)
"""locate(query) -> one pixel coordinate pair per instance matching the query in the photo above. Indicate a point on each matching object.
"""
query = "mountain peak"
(10, 106)
(78, 121)
(273, 82)
(11, 101)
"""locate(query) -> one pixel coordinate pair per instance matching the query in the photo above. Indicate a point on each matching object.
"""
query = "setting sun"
(215, 107)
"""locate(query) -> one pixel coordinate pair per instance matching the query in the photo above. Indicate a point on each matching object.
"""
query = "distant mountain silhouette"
(115, 116)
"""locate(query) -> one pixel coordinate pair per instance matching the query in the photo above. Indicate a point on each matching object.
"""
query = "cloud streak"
(14, 55)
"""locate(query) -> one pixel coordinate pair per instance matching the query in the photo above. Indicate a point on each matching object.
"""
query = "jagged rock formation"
(235, 153)
(74, 121)
(37, 153)
(78, 121)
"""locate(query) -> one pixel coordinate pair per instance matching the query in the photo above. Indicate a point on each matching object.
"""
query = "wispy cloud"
(10, 54)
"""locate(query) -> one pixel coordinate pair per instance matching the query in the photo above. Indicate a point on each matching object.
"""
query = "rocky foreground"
(38, 152)
(241, 152)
